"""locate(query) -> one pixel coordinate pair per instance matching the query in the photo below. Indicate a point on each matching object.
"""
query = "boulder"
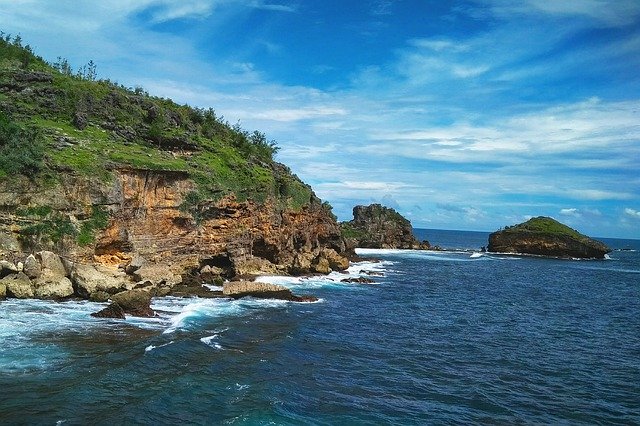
(18, 286)
(239, 289)
(157, 274)
(7, 268)
(194, 291)
(99, 296)
(136, 263)
(134, 302)
(112, 311)
(301, 264)
(336, 261)
(321, 265)
(87, 279)
(32, 267)
(49, 286)
(3, 290)
(51, 263)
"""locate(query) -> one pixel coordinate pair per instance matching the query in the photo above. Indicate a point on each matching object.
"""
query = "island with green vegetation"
(545, 236)
(105, 188)
(380, 227)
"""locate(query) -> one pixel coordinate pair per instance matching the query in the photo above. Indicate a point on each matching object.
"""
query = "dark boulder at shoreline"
(132, 302)
(545, 236)
(376, 226)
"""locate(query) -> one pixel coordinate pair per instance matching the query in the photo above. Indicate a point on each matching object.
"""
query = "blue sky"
(460, 114)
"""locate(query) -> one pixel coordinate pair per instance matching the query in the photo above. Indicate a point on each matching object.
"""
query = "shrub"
(21, 151)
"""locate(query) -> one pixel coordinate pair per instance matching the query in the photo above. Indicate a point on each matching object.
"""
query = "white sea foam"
(152, 347)
(476, 255)
(210, 341)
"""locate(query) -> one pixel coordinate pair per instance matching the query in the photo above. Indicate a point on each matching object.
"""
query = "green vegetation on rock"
(547, 226)
(55, 120)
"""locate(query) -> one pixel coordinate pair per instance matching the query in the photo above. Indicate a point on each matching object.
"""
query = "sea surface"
(441, 338)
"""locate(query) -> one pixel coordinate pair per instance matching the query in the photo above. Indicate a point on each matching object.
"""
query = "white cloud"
(570, 212)
(632, 213)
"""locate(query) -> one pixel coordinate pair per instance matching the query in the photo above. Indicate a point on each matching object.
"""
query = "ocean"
(441, 338)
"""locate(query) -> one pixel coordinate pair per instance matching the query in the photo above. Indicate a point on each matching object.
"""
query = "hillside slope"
(103, 174)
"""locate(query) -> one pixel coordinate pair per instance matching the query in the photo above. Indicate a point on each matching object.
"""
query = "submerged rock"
(359, 280)
(238, 289)
(135, 302)
(545, 236)
(112, 311)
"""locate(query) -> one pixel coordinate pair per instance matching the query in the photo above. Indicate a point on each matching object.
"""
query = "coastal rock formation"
(131, 302)
(239, 289)
(376, 226)
(545, 236)
(133, 191)
(18, 286)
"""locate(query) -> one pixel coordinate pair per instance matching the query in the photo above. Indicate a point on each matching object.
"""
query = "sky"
(467, 115)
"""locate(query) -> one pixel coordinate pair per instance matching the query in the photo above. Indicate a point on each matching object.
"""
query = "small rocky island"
(380, 227)
(545, 236)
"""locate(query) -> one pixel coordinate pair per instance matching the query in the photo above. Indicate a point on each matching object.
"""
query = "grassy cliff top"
(56, 120)
(547, 226)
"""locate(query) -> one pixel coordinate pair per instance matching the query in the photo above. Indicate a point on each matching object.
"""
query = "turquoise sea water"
(442, 338)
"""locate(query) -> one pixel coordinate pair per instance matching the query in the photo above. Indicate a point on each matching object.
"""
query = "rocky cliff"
(376, 226)
(157, 193)
(545, 236)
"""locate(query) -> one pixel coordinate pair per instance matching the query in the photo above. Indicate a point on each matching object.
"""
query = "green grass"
(127, 127)
(547, 226)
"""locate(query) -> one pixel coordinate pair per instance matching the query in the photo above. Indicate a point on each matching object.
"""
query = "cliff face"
(145, 218)
(546, 237)
(376, 226)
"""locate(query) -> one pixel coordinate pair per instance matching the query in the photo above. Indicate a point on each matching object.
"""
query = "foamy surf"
(152, 347)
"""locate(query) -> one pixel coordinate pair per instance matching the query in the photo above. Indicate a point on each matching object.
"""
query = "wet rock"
(195, 291)
(18, 286)
(371, 273)
(359, 280)
(336, 261)
(239, 289)
(112, 311)
(135, 302)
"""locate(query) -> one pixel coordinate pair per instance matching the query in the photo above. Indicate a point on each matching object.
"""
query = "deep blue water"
(443, 338)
